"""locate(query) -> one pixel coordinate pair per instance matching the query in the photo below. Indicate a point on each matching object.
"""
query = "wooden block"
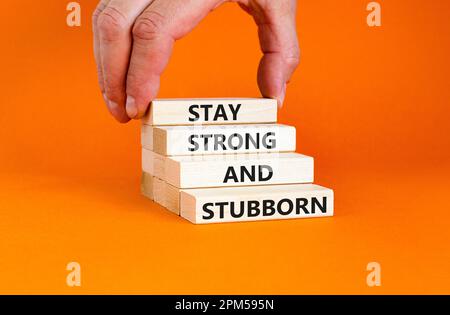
(147, 185)
(231, 204)
(189, 203)
(161, 192)
(153, 163)
(172, 198)
(211, 111)
(147, 137)
(157, 190)
(198, 171)
(223, 139)
(148, 161)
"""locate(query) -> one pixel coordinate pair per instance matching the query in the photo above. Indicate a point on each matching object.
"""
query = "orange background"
(370, 104)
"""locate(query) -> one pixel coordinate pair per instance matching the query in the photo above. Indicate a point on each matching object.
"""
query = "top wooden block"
(221, 111)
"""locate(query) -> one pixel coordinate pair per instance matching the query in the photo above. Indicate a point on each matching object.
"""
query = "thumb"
(278, 39)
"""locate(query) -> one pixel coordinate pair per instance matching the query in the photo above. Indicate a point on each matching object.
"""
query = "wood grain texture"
(147, 137)
(147, 185)
(232, 204)
(222, 139)
(211, 111)
(153, 163)
(161, 192)
(237, 170)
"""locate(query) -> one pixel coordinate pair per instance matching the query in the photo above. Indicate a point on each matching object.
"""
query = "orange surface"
(370, 104)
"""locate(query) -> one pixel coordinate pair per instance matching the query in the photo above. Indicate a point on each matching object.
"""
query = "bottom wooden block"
(228, 204)
(161, 192)
(249, 203)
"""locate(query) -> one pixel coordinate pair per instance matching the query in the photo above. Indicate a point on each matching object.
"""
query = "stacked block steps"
(226, 160)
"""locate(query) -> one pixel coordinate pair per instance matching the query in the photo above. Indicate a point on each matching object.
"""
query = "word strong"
(235, 141)
(261, 173)
(186, 140)
(220, 113)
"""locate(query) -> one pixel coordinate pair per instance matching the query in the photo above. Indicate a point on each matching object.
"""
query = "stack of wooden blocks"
(225, 160)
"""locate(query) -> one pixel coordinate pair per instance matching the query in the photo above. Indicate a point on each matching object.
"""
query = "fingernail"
(282, 96)
(131, 107)
(112, 106)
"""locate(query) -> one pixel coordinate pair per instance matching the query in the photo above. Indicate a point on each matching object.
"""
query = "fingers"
(278, 39)
(154, 34)
(133, 41)
(100, 7)
(114, 26)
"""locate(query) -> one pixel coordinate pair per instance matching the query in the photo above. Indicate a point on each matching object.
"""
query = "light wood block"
(161, 192)
(172, 198)
(147, 188)
(153, 163)
(237, 169)
(211, 111)
(222, 139)
(147, 137)
(157, 190)
(252, 203)
(306, 200)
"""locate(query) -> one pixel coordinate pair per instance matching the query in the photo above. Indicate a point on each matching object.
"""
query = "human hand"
(133, 41)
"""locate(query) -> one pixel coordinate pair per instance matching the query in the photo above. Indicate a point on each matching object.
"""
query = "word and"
(256, 173)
